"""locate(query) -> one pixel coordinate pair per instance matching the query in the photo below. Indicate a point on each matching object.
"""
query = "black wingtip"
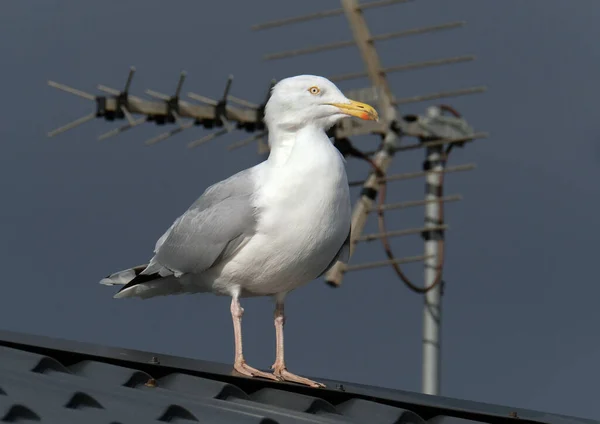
(140, 279)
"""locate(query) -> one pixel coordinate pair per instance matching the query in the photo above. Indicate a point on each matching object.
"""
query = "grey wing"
(342, 255)
(210, 230)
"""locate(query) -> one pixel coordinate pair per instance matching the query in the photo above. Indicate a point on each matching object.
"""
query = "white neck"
(285, 141)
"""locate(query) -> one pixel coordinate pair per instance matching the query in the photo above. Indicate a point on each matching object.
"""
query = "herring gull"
(268, 229)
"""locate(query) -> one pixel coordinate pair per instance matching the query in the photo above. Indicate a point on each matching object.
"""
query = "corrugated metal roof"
(56, 381)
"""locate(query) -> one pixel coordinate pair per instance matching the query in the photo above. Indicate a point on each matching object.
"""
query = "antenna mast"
(436, 134)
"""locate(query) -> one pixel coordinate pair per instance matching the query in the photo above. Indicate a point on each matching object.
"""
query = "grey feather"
(123, 277)
(210, 230)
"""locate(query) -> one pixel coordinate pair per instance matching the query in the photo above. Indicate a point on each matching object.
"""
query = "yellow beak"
(358, 109)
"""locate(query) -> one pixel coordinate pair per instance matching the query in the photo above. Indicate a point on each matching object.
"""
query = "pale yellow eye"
(314, 90)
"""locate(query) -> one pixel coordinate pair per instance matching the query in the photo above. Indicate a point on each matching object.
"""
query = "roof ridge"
(68, 352)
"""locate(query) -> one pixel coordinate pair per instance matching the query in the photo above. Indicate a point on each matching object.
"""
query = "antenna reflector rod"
(72, 124)
(440, 95)
(72, 90)
(180, 83)
(207, 138)
(348, 43)
(202, 99)
(108, 90)
(378, 264)
(296, 19)
(418, 174)
(416, 203)
(401, 233)
(380, 3)
(439, 142)
(227, 87)
(129, 79)
(242, 102)
(246, 141)
(121, 129)
(127, 115)
(165, 135)
(157, 95)
(418, 31)
(324, 14)
(407, 67)
(442, 142)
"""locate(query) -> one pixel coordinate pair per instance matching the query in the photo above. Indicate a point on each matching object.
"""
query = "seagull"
(268, 229)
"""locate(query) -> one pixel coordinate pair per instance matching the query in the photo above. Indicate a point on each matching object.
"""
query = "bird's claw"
(280, 373)
(248, 371)
(283, 374)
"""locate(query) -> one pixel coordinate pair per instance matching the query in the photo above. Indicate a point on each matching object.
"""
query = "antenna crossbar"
(379, 264)
(323, 14)
(349, 43)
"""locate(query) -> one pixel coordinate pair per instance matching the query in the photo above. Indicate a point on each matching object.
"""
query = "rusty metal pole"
(387, 112)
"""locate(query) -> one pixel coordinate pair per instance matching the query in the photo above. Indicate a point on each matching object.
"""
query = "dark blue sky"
(520, 310)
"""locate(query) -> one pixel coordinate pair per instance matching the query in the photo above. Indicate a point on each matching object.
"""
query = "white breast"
(304, 218)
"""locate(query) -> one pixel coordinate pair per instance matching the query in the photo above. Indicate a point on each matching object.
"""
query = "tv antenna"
(437, 131)
(164, 109)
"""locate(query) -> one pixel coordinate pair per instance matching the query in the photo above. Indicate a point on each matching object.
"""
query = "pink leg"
(279, 366)
(240, 364)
